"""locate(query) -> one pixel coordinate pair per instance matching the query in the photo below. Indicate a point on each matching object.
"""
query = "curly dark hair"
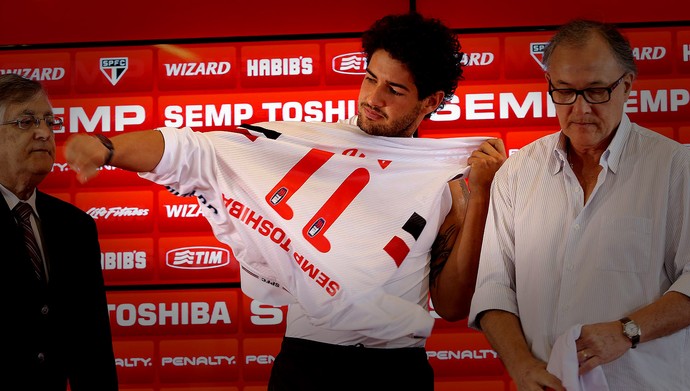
(429, 50)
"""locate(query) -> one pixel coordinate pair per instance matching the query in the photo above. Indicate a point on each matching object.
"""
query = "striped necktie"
(23, 213)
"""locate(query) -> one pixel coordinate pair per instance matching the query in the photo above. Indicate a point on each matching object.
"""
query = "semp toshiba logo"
(350, 63)
(197, 257)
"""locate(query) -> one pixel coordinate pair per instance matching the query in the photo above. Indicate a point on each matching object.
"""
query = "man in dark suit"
(55, 315)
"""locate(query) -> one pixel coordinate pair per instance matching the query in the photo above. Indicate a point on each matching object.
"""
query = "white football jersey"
(322, 213)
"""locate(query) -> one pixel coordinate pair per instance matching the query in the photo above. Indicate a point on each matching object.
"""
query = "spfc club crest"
(114, 67)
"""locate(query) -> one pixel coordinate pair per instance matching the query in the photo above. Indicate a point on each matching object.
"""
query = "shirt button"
(576, 227)
(44, 309)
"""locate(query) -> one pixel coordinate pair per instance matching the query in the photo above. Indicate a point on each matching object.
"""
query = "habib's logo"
(197, 257)
(114, 67)
(350, 63)
(288, 66)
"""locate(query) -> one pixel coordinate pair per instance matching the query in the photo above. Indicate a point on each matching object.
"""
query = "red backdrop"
(179, 318)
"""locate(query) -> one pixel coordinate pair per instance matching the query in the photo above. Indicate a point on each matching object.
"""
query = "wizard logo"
(536, 50)
(113, 68)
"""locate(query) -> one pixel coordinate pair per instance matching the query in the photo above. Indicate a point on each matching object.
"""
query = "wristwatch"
(631, 330)
(109, 145)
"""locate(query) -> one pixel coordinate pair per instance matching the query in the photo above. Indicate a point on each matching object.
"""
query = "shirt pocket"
(625, 244)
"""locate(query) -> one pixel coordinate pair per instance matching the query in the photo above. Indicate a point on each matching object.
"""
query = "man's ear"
(432, 102)
(627, 83)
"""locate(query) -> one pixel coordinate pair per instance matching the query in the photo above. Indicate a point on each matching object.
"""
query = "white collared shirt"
(555, 262)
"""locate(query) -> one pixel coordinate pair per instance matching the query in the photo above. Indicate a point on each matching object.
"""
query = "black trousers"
(303, 365)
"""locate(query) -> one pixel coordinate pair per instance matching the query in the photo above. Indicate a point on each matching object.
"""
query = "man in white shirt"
(590, 226)
(357, 296)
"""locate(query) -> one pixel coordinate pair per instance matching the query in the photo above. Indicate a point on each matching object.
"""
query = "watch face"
(631, 329)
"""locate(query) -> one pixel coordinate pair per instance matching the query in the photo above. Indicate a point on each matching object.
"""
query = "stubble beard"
(401, 127)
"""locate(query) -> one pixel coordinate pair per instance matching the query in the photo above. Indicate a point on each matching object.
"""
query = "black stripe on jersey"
(269, 133)
(414, 225)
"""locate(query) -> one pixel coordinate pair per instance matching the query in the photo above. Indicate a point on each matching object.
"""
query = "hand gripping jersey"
(321, 213)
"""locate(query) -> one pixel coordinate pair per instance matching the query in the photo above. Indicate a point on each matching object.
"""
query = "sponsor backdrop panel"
(179, 318)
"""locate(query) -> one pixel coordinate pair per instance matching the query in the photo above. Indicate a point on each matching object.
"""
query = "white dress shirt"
(555, 261)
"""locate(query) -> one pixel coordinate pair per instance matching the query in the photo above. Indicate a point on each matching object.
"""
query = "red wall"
(32, 22)
(193, 329)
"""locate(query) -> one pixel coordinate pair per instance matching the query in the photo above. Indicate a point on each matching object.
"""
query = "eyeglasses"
(25, 122)
(596, 95)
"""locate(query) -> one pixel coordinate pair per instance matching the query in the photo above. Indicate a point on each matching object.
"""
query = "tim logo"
(536, 50)
(114, 67)
(316, 227)
(197, 257)
(278, 196)
(350, 63)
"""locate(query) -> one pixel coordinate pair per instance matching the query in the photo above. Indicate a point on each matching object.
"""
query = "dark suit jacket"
(57, 333)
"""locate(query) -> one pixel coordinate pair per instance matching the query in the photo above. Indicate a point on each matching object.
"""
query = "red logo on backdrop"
(191, 259)
(127, 261)
(180, 312)
(196, 67)
(479, 61)
(51, 68)
(180, 213)
(462, 354)
(523, 56)
(259, 354)
(199, 360)
(262, 318)
(273, 65)
(223, 112)
(129, 212)
(652, 52)
(111, 71)
(135, 361)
